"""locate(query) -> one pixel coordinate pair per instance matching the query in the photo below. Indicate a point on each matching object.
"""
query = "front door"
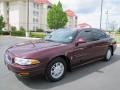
(84, 51)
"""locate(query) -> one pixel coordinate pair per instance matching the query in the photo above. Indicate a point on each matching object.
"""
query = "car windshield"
(61, 36)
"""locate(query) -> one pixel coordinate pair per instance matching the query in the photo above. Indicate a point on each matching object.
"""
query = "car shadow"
(40, 83)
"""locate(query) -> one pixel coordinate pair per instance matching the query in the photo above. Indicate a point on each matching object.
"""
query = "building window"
(33, 19)
(76, 17)
(36, 20)
(49, 7)
(36, 5)
(34, 28)
(35, 13)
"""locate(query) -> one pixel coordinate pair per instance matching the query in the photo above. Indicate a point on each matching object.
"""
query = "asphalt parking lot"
(96, 76)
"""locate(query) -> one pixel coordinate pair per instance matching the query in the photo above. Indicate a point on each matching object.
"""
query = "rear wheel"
(56, 70)
(108, 54)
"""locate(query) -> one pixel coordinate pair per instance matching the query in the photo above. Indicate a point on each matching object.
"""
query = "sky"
(88, 11)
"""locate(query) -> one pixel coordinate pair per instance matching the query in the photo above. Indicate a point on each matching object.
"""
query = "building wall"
(37, 14)
(3, 10)
(14, 14)
(34, 16)
(43, 15)
(18, 14)
(72, 22)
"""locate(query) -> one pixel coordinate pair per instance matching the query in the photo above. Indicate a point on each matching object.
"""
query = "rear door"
(100, 42)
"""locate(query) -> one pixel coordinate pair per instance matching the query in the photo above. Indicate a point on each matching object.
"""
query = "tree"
(56, 17)
(113, 26)
(2, 23)
(118, 31)
(60, 5)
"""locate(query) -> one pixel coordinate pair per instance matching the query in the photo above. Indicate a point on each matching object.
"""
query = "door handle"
(81, 48)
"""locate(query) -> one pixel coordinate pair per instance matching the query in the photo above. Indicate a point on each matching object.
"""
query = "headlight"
(22, 61)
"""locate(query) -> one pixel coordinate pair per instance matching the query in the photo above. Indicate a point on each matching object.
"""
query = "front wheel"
(56, 70)
(108, 54)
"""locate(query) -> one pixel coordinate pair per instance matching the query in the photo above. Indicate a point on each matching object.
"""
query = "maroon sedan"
(60, 51)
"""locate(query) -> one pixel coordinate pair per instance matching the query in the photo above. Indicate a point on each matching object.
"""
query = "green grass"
(37, 34)
(32, 34)
(18, 33)
(117, 38)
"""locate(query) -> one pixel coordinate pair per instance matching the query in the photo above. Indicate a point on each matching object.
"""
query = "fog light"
(24, 73)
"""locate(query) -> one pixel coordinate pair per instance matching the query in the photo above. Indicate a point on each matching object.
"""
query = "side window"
(98, 35)
(86, 35)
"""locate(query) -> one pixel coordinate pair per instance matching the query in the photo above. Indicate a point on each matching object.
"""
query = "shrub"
(39, 30)
(18, 33)
(22, 29)
(2, 23)
(13, 28)
(117, 32)
(4, 33)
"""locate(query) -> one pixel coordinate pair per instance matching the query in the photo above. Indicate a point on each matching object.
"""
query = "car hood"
(31, 46)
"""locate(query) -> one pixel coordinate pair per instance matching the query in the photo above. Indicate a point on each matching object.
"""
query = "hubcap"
(108, 55)
(57, 70)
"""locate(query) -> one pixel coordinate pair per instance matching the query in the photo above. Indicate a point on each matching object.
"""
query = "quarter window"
(98, 35)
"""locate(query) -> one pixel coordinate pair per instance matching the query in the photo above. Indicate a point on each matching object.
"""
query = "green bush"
(4, 33)
(18, 33)
(117, 32)
(37, 35)
(13, 28)
(39, 30)
(117, 38)
(22, 29)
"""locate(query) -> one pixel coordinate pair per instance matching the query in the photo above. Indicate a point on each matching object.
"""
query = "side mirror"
(79, 41)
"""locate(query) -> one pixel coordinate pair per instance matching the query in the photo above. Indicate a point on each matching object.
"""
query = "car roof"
(78, 30)
(87, 29)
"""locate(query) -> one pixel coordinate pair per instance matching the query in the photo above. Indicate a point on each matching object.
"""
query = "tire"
(56, 70)
(108, 54)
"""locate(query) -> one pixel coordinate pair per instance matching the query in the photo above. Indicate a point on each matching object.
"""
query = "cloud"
(86, 6)
(115, 1)
(89, 10)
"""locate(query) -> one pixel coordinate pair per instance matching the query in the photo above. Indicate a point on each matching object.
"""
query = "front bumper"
(26, 70)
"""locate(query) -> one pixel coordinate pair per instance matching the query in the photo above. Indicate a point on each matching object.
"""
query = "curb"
(28, 38)
(21, 37)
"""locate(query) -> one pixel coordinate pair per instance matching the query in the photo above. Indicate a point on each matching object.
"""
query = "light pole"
(107, 20)
(101, 11)
(27, 31)
(8, 17)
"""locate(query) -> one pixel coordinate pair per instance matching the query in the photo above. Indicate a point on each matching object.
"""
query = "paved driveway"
(96, 76)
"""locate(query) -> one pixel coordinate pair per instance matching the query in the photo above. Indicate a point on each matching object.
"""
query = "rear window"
(86, 35)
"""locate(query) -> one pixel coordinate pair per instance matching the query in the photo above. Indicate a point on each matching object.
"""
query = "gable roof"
(84, 25)
(70, 13)
(42, 1)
